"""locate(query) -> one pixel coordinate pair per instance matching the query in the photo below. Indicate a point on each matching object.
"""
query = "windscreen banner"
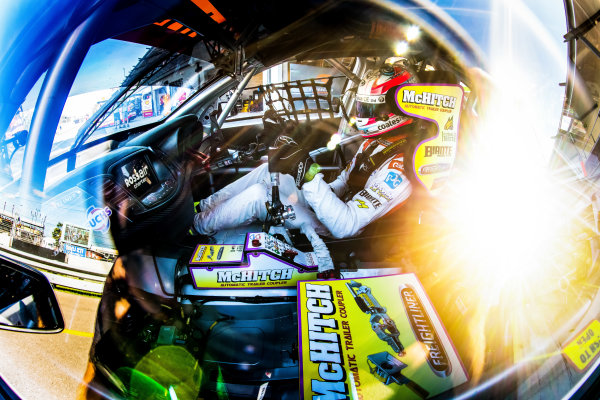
(441, 104)
(373, 338)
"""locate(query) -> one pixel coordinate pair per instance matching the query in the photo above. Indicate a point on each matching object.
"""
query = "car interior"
(156, 328)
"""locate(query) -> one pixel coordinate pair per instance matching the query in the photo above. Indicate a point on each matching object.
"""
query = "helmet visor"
(372, 110)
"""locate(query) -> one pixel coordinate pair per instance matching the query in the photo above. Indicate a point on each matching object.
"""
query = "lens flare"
(412, 33)
(401, 48)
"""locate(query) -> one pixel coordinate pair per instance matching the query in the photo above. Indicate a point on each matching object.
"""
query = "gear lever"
(277, 213)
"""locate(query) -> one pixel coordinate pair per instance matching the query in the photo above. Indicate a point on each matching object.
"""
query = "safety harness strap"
(367, 162)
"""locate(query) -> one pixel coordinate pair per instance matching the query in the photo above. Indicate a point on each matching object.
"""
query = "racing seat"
(400, 232)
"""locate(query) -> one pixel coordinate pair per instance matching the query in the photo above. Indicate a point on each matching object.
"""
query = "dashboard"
(145, 183)
(145, 178)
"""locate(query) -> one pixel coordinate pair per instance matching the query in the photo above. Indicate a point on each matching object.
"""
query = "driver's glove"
(290, 159)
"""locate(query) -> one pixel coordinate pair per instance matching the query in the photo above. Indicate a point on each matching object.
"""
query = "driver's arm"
(340, 184)
(386, 189)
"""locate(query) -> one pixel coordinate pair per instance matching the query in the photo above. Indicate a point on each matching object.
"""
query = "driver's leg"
(243, 208)
(258, 175)
(291, 195)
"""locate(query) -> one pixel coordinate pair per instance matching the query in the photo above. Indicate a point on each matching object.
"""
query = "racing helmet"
(376, 111)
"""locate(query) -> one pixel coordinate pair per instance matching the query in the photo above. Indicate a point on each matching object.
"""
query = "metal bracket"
(583, 28)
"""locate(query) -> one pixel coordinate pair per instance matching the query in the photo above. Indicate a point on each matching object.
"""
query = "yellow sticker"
(262, 271)
(215, 254)
(441, 104)
(585, 348)
(373, 338)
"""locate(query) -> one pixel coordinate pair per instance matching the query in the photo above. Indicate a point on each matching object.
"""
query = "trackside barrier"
(63, 275)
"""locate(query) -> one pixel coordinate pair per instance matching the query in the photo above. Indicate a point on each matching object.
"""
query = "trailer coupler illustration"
(388, 369)
(381, 323)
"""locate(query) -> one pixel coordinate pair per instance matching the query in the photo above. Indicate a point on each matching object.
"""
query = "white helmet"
(376, 111)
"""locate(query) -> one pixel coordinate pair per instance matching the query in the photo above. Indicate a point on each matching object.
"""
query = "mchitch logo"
(430, 99)
(98, 218)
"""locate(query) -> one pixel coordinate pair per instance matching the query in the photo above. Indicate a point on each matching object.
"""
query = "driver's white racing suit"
(318, 203)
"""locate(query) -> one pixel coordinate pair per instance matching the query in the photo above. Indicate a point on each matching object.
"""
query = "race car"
(226, 315)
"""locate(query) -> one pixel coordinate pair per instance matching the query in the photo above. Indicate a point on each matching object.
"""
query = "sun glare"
(412, 33)
(401, 48)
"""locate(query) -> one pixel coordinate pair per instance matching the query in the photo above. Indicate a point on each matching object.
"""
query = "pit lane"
(41, 366)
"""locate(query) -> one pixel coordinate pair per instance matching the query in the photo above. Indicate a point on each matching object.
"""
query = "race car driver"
(372, 184)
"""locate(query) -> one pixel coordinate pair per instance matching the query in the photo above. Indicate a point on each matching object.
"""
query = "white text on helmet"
(371, 99)
(430, 99)
(390, 123)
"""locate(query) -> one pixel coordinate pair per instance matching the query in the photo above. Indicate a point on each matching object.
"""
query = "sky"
(105, 66)
(527, 58)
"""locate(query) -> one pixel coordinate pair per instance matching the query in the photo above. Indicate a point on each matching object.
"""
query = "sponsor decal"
(364, 167)
(430, 99)
(425, 332)
(390, 123)
(393, 180)
(262, 390)
(222, 253)
(262, 261)
(255, 236)
(98, 218)
(300, 173)
(255, 270)
(441, 104)
(449, 123)
(361, 204)
(75, 250)
(448, 137)
(66, 198)
(370, 198)
(380, 192)
(211, 253)
(199, 253)
(137, 177)
(585, 347)
(357, 341)
(370, 99)
(435, 168)
(247, 275)
(397, 164)
(257, 241)
(324, 344)
(439, 151)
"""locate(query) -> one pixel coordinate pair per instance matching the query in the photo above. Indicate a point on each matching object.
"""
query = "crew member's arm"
(385, 190)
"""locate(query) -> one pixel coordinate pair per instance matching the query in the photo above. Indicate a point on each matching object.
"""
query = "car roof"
(266, 31)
